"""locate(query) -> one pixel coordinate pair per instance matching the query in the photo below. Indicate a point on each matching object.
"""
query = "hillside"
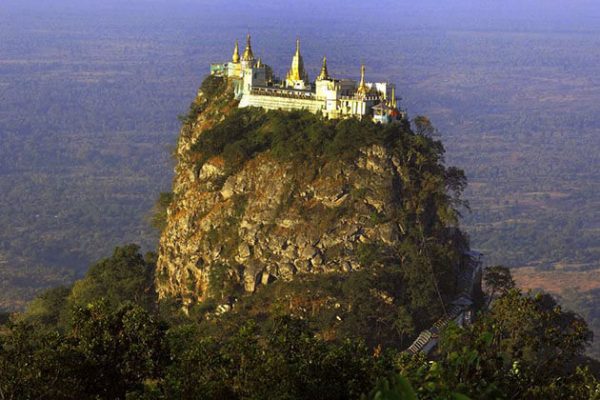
(90, 108)
(261, 197)
(218, 314)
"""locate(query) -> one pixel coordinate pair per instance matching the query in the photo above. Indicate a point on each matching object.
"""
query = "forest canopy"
(524, 347)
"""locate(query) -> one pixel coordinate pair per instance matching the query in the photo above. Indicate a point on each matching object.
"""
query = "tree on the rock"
(498, 280)
(423, 126)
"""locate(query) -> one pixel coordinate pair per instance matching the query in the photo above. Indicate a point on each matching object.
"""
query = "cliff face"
(274, 217)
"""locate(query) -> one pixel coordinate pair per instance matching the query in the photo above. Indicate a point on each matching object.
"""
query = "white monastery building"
(255, 86)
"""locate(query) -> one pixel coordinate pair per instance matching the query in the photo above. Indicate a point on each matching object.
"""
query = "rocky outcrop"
(269, 219)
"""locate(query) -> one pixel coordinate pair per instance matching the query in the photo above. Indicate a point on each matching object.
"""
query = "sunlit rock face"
(272, 220)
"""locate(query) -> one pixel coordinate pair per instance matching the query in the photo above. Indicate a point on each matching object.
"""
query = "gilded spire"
(393, 102)
(324, 74)
(236, 53)
(248, 56)
(362, 87)
(259, 62)
(296, 72)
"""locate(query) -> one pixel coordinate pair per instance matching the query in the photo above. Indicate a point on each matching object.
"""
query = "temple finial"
(296, 73)
(236, 53)
(324, 73)
(362, 87)
(248, 56)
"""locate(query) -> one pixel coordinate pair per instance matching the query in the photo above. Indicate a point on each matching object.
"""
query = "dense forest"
(107, 337)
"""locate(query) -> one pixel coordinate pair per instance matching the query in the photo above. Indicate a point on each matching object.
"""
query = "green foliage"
(285, 361)
(587, 305)
(498, 279)
(122, 347)
(423, 126)
(48, 308)
(428, 279)
(159, 215)
(525, 347)
(125, 276)
(298, 135)
(377, 217)
(372, 304)
(113, 354)
(199, 311)
(394, 388)
(397, 387)
(37, 364)
(106, 355)
(212, 85)
(222, 283)
(368, 253)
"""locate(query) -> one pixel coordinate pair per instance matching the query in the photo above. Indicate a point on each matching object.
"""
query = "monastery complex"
(256, 86)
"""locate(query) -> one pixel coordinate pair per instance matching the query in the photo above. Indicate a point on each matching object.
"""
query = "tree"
(158, 219)
(283, 360)
(397, 387)
(48, 309)
(122, 348)
(423, 126)
(404, 324)
(106, 355)
(524, 347)
(125, 276)
(39, 364)
(498, 279)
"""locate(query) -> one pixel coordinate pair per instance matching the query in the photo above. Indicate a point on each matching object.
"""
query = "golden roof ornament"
(324, 75)
(236, 53)
(296, 72)
(248, 56)
(362, 87)
(259, 62)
